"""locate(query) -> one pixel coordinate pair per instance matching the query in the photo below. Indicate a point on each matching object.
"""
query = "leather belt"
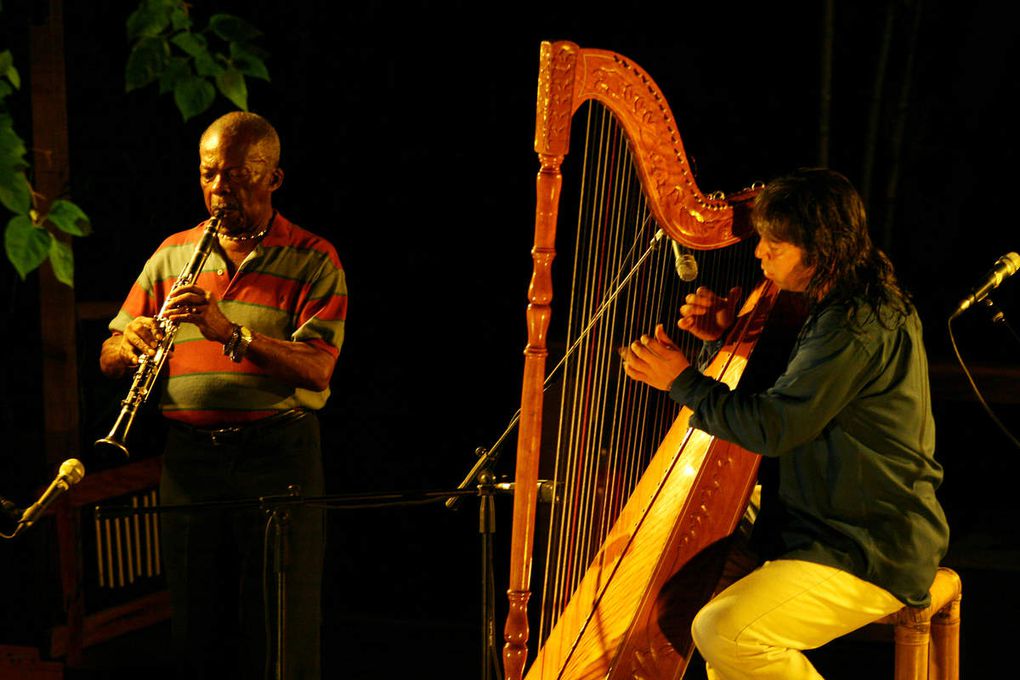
(234, 434)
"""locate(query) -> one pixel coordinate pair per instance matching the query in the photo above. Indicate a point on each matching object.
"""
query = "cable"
(977, 392)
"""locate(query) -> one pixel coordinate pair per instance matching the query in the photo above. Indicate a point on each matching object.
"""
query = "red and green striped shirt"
(291, 287)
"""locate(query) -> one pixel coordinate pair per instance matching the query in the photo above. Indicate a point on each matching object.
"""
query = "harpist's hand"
(706, 315)
(654, 361)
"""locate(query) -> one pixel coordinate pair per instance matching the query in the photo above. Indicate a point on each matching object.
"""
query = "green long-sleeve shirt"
(850, 420)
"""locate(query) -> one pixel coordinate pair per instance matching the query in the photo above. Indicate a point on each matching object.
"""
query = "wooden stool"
(928, 640)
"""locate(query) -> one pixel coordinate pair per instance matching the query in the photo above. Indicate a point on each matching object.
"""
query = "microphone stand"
(277, 526)
(998, 317)
(276, 508)
(487, 488)
(279, 519)
(10, 516)
(482, 476)
(487, 458)
(487, 529)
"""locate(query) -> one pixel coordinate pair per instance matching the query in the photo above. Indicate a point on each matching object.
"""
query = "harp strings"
(608, 427)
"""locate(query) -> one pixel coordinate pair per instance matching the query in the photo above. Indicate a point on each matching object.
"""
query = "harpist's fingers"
(656, 349)
(639, 356)
(640, 351)
(706, 294)
(663, 337)
(634, 372)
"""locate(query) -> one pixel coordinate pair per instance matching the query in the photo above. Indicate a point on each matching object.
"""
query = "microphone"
(1005, 266)
(71, 472)
(547, 492)
(686, 265)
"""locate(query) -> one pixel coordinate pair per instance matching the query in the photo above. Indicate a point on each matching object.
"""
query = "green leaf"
(5, 90)
(7, 69)
(12, 149)
(177, 69)
(69, 218)
(13, 77)
(247, 61)
(179, 19)
(150, 19)
(15, 191)
(193, 96)
(207, 66)
(62, 260)
(232, 28)
(193, 44)
(26, 245)
(233, 87)
(147, 60)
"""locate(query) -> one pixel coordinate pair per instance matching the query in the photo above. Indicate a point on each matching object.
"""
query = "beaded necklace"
(240, 238)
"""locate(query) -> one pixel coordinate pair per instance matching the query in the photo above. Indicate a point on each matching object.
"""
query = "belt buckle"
(223, 435)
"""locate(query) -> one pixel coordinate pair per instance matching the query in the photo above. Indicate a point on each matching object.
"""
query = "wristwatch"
(237, 346)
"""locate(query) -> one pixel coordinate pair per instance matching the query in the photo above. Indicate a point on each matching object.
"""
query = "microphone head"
(1011, 263)
(686, 267)
(1005, 267)
(72, 470)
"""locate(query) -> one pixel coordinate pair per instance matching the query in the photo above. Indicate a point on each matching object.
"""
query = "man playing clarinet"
(258, 336)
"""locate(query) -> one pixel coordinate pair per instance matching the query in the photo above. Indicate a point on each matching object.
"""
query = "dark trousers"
(220, 569)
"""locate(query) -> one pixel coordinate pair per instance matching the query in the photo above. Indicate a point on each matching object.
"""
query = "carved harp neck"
(570, 76)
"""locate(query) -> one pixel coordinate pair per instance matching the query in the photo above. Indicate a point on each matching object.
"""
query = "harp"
(638, 494)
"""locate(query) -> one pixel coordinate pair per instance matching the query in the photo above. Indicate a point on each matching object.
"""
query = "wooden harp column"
(704, 496)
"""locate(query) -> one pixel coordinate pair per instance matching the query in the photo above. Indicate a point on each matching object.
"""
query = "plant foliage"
(28, 240)
(167, 50)
(193, 64)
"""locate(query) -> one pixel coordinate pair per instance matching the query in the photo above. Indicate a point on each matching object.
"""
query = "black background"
(407, 141)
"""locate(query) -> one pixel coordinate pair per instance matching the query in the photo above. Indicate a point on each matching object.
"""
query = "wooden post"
(56, 300)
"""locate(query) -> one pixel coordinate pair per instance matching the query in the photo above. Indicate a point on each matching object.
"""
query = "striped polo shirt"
(291, 287)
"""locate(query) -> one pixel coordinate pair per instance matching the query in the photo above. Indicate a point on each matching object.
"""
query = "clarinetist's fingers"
(126, 350)
(179, 314)
(142, 335)
(189, 296)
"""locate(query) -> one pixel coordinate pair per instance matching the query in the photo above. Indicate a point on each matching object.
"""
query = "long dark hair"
(820, 211)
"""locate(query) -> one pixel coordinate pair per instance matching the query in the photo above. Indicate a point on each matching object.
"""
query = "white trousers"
(757, 627)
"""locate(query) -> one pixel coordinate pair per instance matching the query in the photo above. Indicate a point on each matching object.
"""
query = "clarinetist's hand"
(141, 336)
(706, 315)
(121, 350)
(191, 304)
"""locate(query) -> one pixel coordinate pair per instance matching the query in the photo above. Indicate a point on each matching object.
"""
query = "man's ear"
(276, 179)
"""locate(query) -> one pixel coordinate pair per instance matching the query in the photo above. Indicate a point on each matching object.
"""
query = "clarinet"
(149, 367)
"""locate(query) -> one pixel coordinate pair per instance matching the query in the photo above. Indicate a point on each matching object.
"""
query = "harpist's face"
(783, 264)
